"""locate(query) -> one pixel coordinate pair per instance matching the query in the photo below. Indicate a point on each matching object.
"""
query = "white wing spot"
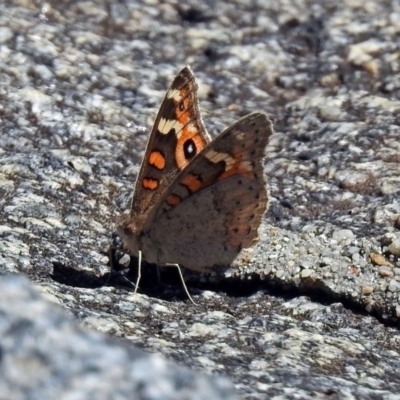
(215, 157)
(190, 149)
(166, 125)
(240, 135)
(246, 166)
(191, 127)
(174, 94)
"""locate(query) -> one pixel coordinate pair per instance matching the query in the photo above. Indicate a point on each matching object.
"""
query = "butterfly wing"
(177, 136)
(213, 209)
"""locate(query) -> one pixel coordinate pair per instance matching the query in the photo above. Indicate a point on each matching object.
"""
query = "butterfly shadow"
(71, 275)
(163, 283)
(159, 282)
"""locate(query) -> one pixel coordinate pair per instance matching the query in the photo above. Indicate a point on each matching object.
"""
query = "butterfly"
(197, 202)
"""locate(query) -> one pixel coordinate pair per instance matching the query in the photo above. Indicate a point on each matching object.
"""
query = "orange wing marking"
(150, 184)
(157, 160)
(192, 182)
(173, 200)
(188, 130)
(234, 165)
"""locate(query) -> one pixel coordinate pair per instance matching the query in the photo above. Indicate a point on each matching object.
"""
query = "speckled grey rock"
(45, 354)
(80, 88)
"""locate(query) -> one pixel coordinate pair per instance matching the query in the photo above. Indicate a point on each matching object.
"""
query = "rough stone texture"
(80, 83)
(47, 355)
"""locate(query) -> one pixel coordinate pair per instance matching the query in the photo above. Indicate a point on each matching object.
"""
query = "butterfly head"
(129, 230)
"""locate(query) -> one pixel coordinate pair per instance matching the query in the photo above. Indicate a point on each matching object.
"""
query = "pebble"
(305, 273)
(342, 234)
(367, 289)
(394, 247)
(5, 34)
(386, 271)
(394, 286)
(379, 259)
(350, 179)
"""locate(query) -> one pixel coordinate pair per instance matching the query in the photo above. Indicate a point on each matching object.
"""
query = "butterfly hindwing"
(213, 208)
(177, 136)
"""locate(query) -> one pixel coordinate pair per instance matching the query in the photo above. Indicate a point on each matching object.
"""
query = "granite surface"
(315, 312)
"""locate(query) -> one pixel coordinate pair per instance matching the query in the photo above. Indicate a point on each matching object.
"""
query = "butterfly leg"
(139, 274)
(183, 281)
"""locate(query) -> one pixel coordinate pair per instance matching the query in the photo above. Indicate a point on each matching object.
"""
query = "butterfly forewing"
(177, 136)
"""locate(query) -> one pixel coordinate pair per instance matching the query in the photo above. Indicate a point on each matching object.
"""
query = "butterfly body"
(197, 202)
